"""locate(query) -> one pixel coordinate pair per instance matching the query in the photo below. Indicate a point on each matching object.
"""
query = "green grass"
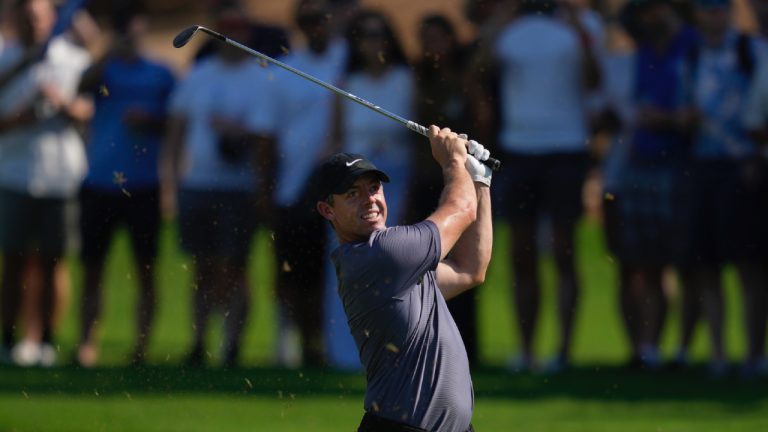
(596, 396)
(170, 398)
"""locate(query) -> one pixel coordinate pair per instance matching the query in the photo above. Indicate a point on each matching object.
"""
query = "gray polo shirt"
(415, 361)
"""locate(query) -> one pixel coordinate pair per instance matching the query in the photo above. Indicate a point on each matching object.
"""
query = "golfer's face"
(362, 209)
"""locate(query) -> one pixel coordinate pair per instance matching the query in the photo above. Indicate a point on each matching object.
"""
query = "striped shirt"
(415, 361)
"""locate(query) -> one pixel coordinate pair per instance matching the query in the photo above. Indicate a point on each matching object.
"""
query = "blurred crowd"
(673, 126)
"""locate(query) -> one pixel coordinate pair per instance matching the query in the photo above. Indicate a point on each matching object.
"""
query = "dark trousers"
(299, 247)
(373, 423)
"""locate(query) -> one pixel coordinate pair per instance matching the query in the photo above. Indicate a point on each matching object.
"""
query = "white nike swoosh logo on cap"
(349, 164)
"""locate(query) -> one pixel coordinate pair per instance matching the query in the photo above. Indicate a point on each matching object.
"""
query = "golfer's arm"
(466, 265)
(457, 208)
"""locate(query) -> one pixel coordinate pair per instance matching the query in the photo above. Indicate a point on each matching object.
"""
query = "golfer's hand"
(479, 172)
(447, 146)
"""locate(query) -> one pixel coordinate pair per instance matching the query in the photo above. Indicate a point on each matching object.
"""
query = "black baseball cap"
(338, 172)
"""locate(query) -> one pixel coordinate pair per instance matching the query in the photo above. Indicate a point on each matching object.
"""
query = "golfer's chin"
(372, 225)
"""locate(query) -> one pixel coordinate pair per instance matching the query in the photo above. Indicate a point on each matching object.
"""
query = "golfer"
(394, 282)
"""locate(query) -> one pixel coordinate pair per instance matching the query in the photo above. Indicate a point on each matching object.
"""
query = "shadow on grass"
(601, 383)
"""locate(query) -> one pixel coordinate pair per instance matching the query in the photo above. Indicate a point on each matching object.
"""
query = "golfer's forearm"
(472, 252)
(458, 192)
(458, 201)
(484, 228)
(457, 208)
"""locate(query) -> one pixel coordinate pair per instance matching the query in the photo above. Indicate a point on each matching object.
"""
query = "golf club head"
(182, 38)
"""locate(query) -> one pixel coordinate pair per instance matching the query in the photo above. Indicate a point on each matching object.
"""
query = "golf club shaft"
(184, 36)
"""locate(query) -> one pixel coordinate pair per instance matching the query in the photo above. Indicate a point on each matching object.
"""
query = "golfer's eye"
(351, 193)
(375, 188)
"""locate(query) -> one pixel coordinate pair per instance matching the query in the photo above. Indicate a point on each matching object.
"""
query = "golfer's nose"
(369, 198)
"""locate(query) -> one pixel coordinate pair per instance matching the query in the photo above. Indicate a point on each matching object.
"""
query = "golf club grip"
(493, 163)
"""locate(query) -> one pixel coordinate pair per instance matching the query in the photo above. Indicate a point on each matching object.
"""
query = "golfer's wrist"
(454, 163)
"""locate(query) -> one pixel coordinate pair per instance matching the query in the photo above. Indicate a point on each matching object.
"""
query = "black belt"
(374, 423)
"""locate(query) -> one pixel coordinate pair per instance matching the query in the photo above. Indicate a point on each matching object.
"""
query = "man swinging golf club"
(394, 282)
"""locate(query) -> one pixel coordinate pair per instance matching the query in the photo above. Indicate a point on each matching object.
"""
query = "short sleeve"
(407, 252)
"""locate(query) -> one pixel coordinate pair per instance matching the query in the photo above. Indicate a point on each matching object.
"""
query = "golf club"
(182, 38)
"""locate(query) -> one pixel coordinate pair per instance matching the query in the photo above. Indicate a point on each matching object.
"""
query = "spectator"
(756, 121)
(651, 191)
(441, 99)
(543, 143)
(296, 116)
(723, 230)
(615, 120)
(482, 82)
(122, 187)
(86, 33)
(42, 163)
(377, 70)
(223, 182)
(760, 14)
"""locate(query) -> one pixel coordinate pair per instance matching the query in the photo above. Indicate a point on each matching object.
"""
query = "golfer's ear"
(325, 210)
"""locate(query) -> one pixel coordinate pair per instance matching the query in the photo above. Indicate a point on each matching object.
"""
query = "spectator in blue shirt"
(659, 132)
(130, 94)
(723, 229)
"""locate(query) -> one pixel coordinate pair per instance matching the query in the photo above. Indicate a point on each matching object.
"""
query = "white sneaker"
(47, 355)
(26, 353)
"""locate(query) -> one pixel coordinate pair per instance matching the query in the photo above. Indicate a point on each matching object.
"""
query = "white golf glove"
(476, 153)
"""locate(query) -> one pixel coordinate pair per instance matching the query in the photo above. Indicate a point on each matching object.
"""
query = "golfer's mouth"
(370, 216)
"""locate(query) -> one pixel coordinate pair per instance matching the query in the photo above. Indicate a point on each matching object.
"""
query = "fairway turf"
(596, 396)
(174, 399)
